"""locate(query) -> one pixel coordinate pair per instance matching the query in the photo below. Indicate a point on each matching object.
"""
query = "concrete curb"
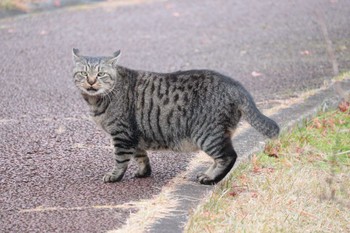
(190, 193)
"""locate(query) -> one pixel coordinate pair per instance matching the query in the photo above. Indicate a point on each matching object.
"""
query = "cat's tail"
(255, 118)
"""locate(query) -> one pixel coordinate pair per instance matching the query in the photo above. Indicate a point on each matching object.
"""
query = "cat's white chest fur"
(98, 120)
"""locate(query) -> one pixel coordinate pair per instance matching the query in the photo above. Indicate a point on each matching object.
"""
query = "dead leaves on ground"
(275, 149)
(257, 167)
(330, 122)
(344, 106)
(244, 182)
(322, 124)
(272, 150)
(243, 187)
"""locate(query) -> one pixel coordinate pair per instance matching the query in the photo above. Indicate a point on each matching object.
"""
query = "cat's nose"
(91, 80)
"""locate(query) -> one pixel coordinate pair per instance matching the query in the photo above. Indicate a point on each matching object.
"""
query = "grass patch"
(17, 4)
(300, 183)
(6, 4)
(342, 76)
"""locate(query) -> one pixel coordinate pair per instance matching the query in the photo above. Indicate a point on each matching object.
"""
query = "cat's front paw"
(110, 177)
(205, 179)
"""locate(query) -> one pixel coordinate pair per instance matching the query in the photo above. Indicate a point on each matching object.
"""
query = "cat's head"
(95, 75)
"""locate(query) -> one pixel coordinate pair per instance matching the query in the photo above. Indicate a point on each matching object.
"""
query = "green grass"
(7, 4)
(17, 4)
(300, 183)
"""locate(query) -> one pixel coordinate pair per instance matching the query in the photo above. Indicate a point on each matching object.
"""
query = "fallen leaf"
(328, 123)
(206, 213)
(254, 195)
(256, 74)
(344, 106)
(299, 150)
(256, 167)
(303, 212)
(274, 155)
(270, 170)
(272, 151)
(57, 3)
(244, 180)
(232, 193)
(237, 189)
(286, 163)
(316, 123)
(305, 52)
(341, 122)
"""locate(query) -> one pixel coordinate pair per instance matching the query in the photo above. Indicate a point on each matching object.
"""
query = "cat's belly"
(184, 145)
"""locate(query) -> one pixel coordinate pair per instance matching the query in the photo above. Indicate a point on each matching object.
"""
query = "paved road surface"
(52, 158)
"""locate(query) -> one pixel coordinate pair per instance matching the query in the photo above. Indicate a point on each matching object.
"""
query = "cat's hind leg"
(144, 167)
(221, 150)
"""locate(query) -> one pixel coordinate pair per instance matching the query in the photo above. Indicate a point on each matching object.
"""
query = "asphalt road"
(52, 158)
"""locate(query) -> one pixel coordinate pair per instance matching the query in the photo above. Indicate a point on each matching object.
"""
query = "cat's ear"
(76, 56)
(113, 61)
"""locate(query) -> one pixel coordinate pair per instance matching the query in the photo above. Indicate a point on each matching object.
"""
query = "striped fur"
(181, 111)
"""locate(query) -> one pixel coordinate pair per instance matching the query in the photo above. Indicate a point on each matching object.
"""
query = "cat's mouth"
(91, 90)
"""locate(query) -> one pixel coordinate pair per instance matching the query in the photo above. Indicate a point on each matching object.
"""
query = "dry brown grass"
(300, 184)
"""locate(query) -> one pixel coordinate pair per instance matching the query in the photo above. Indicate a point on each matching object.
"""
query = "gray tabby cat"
(182, 111)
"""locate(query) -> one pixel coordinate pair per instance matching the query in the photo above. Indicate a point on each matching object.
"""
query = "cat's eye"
(101, 74)
(83, 73)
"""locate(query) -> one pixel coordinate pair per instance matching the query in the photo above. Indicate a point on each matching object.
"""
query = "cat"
(181, 111)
